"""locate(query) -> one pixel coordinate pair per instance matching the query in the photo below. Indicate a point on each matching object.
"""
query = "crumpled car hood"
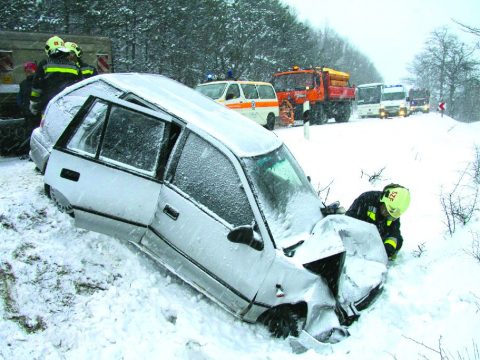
(365, 266)
(324, 241)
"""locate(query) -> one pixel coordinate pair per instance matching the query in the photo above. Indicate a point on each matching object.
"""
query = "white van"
(395, 101)
(256, 100)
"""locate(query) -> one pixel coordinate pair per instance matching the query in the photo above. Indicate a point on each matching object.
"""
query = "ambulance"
(254, 99)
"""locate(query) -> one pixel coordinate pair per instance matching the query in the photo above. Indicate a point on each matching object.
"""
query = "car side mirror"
(245, 235)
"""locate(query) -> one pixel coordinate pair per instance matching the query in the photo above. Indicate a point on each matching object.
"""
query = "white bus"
(368, 97)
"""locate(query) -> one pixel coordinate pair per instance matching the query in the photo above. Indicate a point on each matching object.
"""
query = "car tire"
(282, 321)
(60, 201)
(270, 122)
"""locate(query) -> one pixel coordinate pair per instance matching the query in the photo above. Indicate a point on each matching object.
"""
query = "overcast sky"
(389, 32)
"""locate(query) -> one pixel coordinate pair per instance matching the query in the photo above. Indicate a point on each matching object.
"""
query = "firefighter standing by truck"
(53, 75)
(86, 70)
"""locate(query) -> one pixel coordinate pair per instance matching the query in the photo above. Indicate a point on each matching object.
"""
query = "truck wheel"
(318, 114)
(270, 122)
(343, 113)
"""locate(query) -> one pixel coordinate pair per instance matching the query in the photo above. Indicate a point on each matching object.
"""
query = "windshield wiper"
(290, 251)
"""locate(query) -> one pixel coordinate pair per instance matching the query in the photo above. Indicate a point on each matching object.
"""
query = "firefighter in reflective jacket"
(383, 209)
(86, 70)
(53, 75)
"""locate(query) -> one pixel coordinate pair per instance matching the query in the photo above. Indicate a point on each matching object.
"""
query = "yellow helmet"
(54, 45)
(73, 47)
(396, 199)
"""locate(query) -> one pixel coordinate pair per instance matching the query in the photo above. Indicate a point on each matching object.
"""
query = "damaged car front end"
(326, 269)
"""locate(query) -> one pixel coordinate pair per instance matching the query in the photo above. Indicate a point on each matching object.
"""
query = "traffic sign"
(441, 106)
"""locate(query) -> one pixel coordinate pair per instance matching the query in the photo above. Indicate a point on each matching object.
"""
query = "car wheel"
(60, 201)
(270, 121)
(282, 321)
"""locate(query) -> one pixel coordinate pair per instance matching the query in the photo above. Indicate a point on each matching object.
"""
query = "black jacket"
(86, 70)
(53, 75)
(23, 97)
(367, 208)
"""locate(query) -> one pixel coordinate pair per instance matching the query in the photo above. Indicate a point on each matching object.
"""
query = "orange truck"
(314, 94)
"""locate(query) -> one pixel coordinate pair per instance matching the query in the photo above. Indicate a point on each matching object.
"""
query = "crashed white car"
(220, 202)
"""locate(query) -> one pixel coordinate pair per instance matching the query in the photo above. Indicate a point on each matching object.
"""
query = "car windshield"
(294, 81)
(288, 201)
(393, 96)
(213, 91)
(369, 95)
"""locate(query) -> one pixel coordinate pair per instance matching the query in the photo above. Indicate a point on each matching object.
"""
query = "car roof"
(242, 135)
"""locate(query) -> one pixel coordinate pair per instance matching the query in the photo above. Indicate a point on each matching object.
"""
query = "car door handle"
(70, 175)
(171, 212)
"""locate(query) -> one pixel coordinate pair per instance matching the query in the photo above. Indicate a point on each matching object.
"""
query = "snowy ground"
(70, 293)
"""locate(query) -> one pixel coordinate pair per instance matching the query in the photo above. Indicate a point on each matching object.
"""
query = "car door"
(107, 165)
(235, 100)
(204, 197)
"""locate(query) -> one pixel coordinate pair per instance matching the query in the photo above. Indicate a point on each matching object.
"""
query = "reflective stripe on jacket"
(53, 75)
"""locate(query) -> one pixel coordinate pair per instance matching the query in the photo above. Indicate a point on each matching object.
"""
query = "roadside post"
(441, 107)
(306, 120)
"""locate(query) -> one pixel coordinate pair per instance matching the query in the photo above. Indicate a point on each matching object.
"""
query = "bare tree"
(448, 68)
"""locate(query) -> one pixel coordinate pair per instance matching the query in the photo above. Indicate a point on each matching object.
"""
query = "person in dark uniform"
(23, 97)
(383, 209)
(76, 52)
(53, 75)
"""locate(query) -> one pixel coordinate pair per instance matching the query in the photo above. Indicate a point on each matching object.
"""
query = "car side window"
(233, 92)
(62, 111)
(250, 91)
(208, 176)
(266, 92)
(87, 136)
(132, 139)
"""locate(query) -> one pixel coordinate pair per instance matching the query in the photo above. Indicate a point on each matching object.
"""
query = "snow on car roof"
(243, 136)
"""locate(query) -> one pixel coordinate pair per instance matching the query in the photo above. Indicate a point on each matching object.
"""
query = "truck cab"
(395, 101)
(419, 100)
